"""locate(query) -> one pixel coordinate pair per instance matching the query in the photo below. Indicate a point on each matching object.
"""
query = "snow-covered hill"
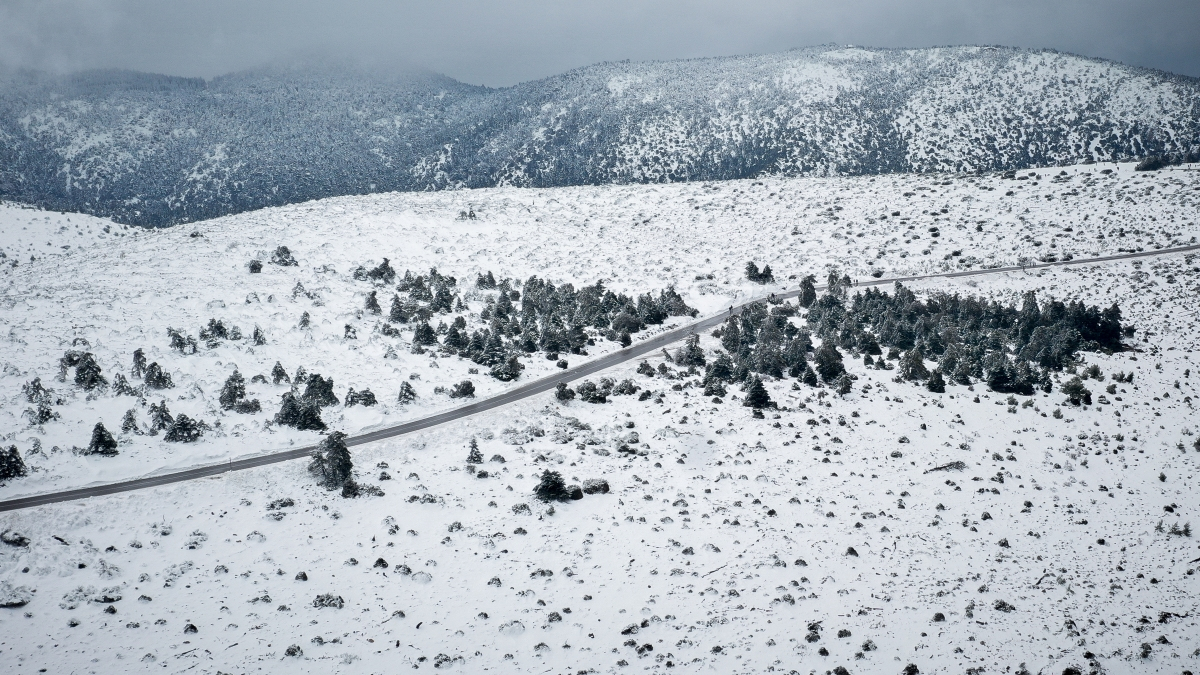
(837, 531)
(155, 150)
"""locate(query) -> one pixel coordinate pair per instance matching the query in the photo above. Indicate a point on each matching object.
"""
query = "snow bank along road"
(524, 391)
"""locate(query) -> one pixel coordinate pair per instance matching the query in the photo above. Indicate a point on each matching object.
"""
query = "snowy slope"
(124, 295)
(703, 533)
(154, 150)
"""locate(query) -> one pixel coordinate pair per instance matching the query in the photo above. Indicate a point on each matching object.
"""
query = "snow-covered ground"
(722, 541)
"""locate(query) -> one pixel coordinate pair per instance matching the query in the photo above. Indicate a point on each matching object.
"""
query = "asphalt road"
(533, 388)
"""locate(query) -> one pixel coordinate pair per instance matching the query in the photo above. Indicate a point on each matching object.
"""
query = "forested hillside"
(158, 150)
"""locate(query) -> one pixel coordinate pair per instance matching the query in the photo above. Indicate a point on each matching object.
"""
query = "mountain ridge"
(158, 150)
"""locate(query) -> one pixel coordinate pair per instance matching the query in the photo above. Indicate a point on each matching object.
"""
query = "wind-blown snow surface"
(157, 150)
(702, 535)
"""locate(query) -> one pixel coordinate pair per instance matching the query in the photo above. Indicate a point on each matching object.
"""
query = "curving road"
(523, 391)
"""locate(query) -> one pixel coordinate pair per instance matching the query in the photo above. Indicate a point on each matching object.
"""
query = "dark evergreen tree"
(1076, 393)
(233, 391)
(809, 377)
(300, 413)
(139, 363)
(563, 393)
(12, 465)
(757, 396)
(829, 362)
(87, 373)
(720, 370)
(184, 344)
(690, 354)
(936, 383)
(184, 430)
(279, 375)
(398, 313)
(305, 320)
(320, 391)
(551, 487)
(102, 442)
(129, 423)
(160, 417)
(364, 397)
(156, 378)
(372, 303)
(912, 366)
(464, 389)
(731, 336)
(259, 338)
(423, 334)
(808, 291)
(509, 370)
(407, 393)
(331, 462)
(473, 454)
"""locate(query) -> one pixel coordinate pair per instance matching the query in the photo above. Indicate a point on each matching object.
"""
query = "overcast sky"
(502, 42)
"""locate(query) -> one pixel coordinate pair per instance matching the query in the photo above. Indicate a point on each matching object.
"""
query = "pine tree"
(184, 430)
(156, 378)
(160, 417)
(331, 462)
(829, 362)
(721, 369)
(407, 393)
(233, 391)
(473, 454)
(259, 337)
(808, 291)
(301, 413)
(509, 370)
(102, 442)
(1076, 393)
(398, 313)
(12, 465)
(563, 393)
(423, 334)
(139, 363)
(731, 337)
(912, 366)
(808, 376)
(129, 423)
(843, 384)
(757, 396)
(551, 487)
(690, 354)
(278, 374)
(319, 390)
(936, 383)
(87, 373)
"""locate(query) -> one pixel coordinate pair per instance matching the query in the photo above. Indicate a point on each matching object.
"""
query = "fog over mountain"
(159, 150)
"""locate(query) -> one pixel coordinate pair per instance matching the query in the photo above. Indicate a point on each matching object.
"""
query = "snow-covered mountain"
(157, 150)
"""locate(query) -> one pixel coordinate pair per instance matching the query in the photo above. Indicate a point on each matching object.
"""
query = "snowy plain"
(725, 541)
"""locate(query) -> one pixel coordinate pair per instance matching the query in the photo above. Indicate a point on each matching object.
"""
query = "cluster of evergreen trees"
(1012, 350)
(972, 339)
(541, 317)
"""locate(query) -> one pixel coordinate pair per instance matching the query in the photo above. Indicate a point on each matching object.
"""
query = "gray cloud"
(501, 43)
